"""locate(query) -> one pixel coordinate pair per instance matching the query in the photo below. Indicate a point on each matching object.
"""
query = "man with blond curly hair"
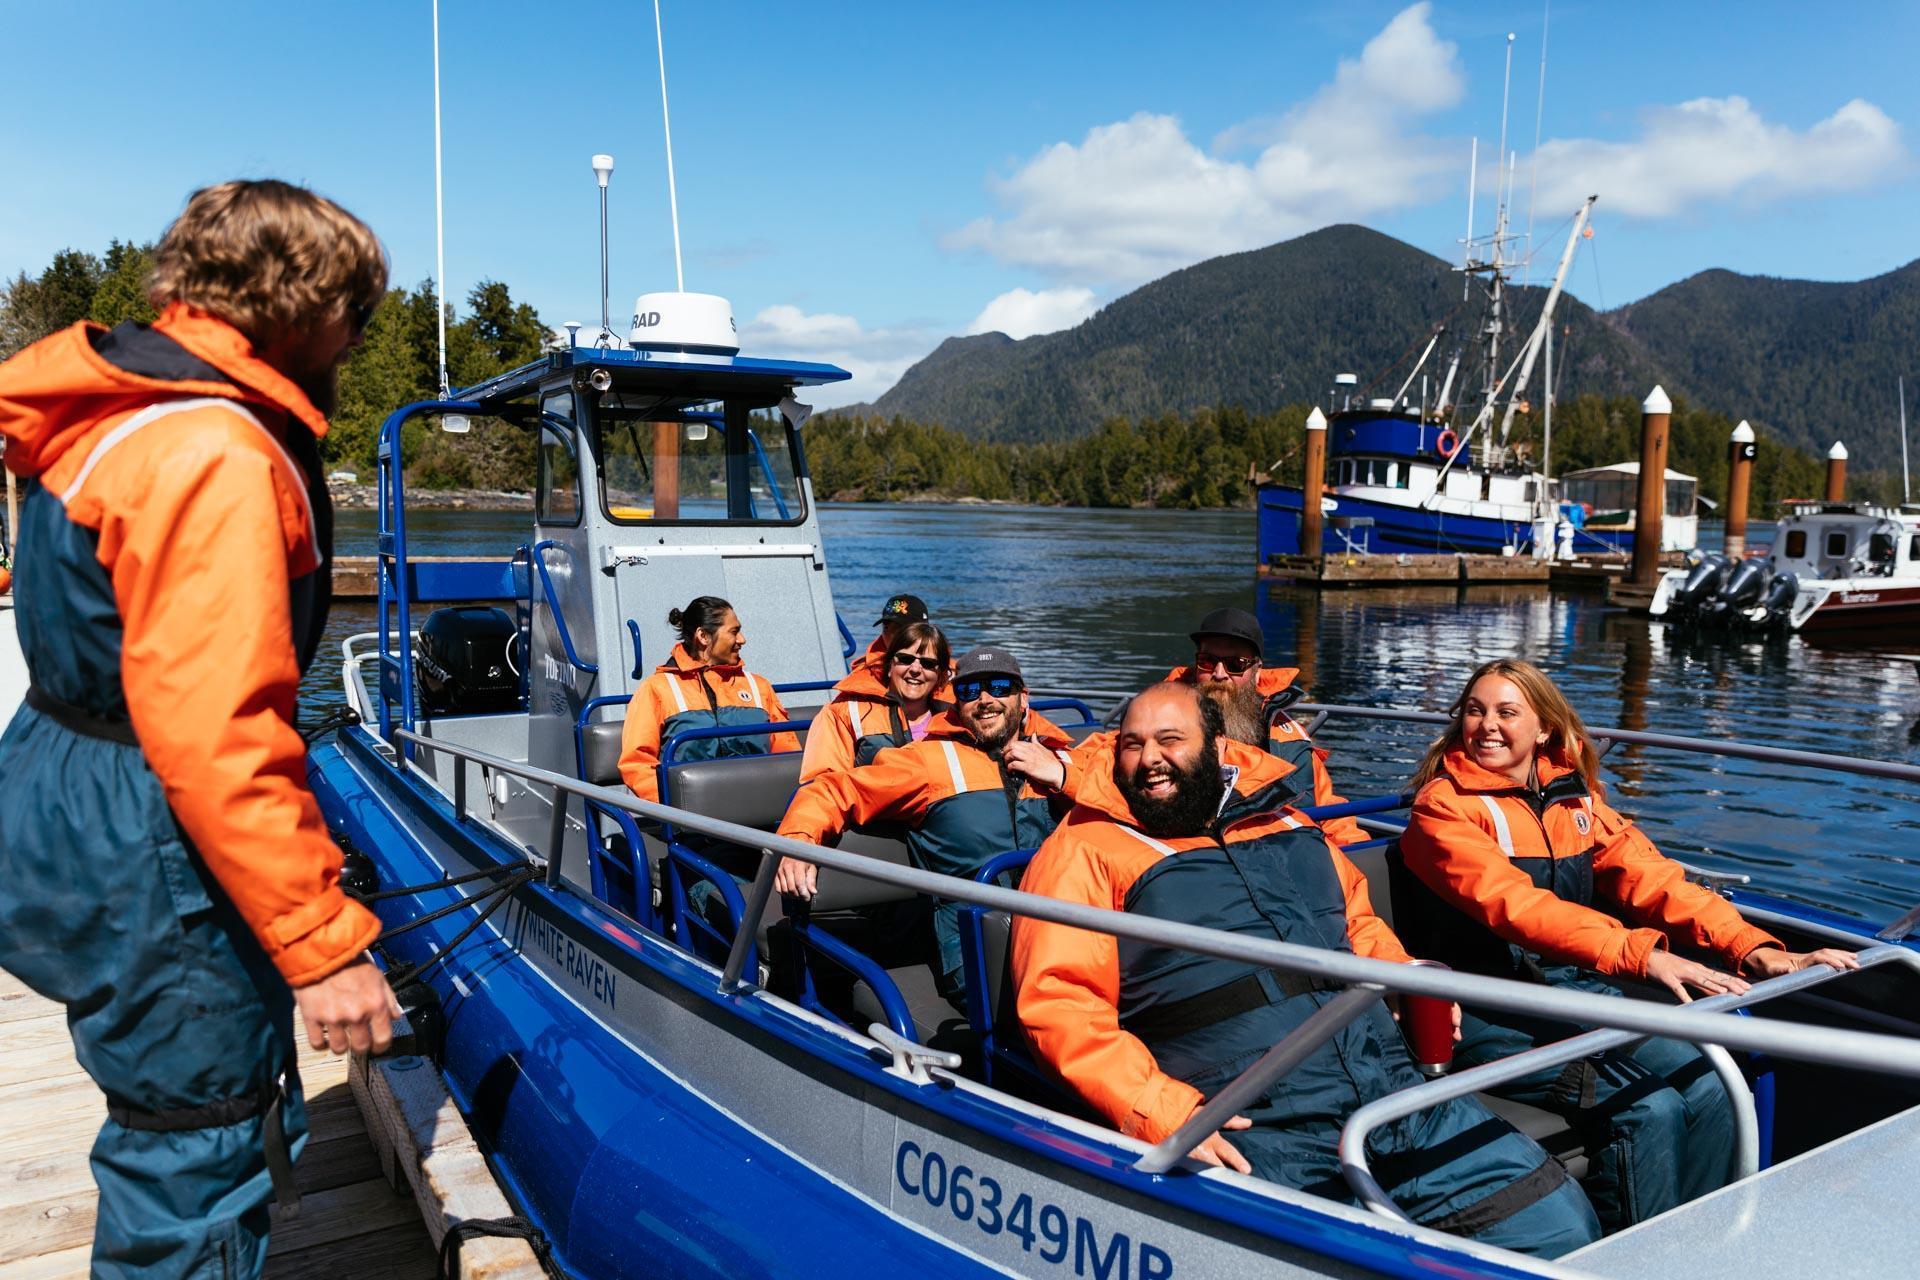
(169, 877)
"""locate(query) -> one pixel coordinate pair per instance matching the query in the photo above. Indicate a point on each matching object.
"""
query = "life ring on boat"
(1448, 444)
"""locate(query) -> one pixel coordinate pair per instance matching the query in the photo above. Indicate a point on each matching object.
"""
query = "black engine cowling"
(464, 656)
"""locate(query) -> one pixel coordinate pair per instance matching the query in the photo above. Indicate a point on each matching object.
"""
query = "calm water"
(1104, 599)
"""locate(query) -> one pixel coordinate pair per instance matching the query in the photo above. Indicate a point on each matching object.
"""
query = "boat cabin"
(1846, 540)
(1610, 496)
(1392, 449)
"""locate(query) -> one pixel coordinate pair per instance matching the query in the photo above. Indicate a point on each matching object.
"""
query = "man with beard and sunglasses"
(985, 779)
(169, 876)
(1253, 699)
(1175, 820)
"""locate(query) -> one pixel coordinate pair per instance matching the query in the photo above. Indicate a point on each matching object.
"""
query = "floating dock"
(390, 1125)
(1354, 570)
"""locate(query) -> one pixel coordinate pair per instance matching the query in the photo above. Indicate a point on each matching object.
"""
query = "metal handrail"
(1639, 737)
(1831, 1046)
(553, 606)
(1361, 1124)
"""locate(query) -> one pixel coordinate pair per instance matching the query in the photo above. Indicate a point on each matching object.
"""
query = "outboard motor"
(1747, 584)
(466, 660)
(1780, 596)
(1704, 580)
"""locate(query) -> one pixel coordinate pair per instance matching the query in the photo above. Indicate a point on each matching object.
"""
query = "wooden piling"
(666, 470)
(1313, 484)
(1837, 473)
(1739, 480)
(1656, 417)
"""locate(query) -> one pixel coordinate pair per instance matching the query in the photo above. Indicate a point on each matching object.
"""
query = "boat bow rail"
(1705, 1023)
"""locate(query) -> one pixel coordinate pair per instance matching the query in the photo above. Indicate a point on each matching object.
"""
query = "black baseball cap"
(1237, 624)
(902, 608)
(987, 660)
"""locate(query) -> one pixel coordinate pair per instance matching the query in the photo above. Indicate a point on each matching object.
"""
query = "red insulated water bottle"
(1427, 1023)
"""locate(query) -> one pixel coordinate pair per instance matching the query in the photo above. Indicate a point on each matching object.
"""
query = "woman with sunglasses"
(885, 704)
(1519, 869)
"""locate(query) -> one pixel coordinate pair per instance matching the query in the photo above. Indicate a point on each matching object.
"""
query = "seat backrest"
(1080, 732)
(839, 891)
(602, 743)
(1373, 864)
(750, 790)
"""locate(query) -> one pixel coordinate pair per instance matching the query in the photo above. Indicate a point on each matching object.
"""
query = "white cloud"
(1136, 199)
(1716, 148)
(1021, 313)
(875, 357)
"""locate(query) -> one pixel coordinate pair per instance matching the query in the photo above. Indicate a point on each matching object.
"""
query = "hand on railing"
(796, 878)
(1773, 962)
(1676, 974)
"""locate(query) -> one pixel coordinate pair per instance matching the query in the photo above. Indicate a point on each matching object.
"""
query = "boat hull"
(652, 1125)
(1860, 608)
(1396, 530)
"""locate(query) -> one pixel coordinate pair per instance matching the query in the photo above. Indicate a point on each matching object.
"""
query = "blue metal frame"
(553, 606)
(638, 892)
(639, 666)
(1065, 704)
(846, 637)
(818, 942)
(392, 579)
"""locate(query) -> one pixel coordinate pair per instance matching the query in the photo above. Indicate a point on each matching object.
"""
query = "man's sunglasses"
(922, 661)
(994, 687)
(1206, 662)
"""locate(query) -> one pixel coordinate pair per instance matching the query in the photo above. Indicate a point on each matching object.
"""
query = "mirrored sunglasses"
(993, 686)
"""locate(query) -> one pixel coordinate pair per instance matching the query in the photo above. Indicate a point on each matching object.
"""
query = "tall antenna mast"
(1533, 161)
(1906, 482)
(439, 212)
(1473, 179)
(673, 197)
(602, 170)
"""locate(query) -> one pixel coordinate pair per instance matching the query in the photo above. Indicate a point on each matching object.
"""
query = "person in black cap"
(965, 792)
(1228, 647)
(899, 611)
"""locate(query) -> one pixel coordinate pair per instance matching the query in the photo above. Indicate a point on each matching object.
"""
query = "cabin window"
(672, 461)
(1913, 548)
(1880, 548)
(1396, 478)
(1837, 543)
(1796, 543)
(558, 492)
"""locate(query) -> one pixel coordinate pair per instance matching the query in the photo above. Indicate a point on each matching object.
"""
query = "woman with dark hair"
(1519, 869)
(702, 686)
(878, 705)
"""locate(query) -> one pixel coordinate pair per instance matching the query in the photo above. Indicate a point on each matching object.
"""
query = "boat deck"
(351, 1222)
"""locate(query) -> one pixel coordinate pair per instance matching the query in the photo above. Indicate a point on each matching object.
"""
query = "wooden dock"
(352, 1222)
(1355, 569)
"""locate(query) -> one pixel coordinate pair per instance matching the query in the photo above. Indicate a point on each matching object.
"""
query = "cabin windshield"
(666, 460)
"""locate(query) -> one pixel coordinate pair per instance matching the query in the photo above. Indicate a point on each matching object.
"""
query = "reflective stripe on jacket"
(1544, 871)
(683, 694)
(174, 574)
(1287, 738)
(862, 721)
(952, 797)
(1077, 990)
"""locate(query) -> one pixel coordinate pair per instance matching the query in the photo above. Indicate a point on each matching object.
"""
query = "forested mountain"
(1808, 362)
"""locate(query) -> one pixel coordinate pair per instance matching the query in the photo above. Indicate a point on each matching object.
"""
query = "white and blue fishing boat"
(735, 1091)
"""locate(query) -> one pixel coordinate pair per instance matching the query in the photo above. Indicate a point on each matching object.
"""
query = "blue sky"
(865, 179)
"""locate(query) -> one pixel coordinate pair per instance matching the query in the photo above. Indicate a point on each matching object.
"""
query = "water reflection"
(1105, 599)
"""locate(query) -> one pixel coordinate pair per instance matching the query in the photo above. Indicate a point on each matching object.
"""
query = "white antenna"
(1533, 162)
(1499, 200)
(673, 197)
(1906, 482)
(1473, 179)
(439, 212)
(602, 170)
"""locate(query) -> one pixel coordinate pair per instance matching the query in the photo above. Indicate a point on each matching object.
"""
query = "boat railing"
(1841, 1047)
(1746, 1133)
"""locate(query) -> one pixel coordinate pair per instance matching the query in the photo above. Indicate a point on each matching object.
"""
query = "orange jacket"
(861, 705)
(202, 520)
(1470, 824)
(681, 687)
(1069, 979)
(903, 783)
(1284, 729)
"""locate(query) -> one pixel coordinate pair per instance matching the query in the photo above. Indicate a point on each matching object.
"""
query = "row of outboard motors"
(1720, 591)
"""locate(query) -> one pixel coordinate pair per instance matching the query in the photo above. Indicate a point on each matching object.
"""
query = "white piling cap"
(602, 168)
(1656, 402)
(1838, 453)
(1743, 434)
(1316, 421)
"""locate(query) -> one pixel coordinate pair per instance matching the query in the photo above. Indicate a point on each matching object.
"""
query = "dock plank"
(351, 1223)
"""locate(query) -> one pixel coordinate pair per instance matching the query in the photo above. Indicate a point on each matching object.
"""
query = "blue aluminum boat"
(665, 1090)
